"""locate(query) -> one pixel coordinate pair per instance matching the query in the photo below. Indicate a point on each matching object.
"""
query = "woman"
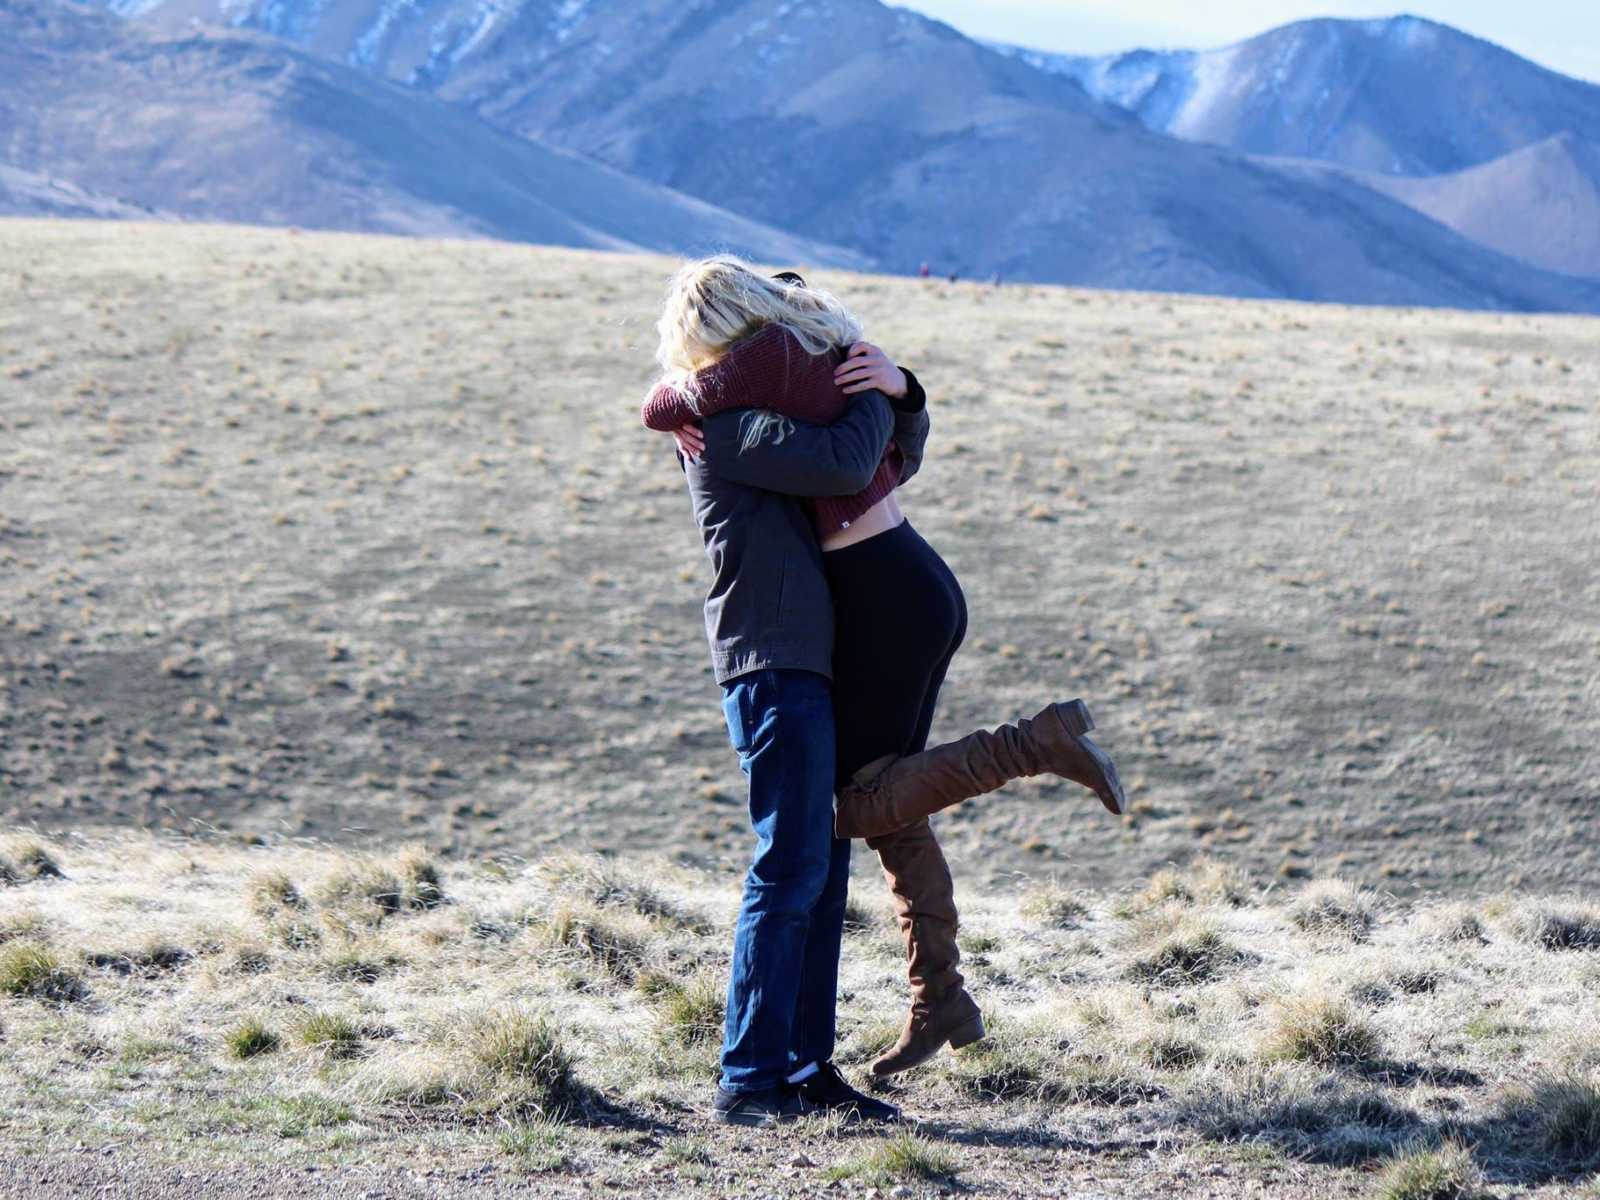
(733, 339)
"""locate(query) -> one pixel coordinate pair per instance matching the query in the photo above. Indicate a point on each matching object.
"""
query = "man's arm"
(910, 425)
(809, 460)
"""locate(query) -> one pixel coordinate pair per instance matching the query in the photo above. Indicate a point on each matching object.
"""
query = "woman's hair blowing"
(717, 301)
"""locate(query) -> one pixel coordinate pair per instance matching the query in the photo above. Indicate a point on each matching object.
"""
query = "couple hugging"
(832, 623)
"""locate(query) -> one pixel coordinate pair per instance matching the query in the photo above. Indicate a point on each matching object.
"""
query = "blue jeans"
(784, 980)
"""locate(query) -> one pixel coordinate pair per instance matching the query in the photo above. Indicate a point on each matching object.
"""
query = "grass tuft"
(538, 1145)
(1575, 927)
(25, 861)
(251, 1039)
(692, 1013)
(1333, 906)
(1055, 908)
(31, 971)
(1317, 1029)
(1189, 955)
(612, 948)
(1446, 1172)
(272, 893)
(906, 1157)
(332, 1036)
(522, 1060)
(606, 885)
(1564, 1113)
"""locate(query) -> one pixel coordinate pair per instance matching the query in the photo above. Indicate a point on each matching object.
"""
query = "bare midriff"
(880, 518)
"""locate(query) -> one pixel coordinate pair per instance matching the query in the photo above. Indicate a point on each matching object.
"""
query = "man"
(769, 618)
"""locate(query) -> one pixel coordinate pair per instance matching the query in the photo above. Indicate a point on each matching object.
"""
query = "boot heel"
(1075, 716)
(968, 1033)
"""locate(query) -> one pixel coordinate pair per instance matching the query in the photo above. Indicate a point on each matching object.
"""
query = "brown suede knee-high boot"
(896, 791)
(924, 901)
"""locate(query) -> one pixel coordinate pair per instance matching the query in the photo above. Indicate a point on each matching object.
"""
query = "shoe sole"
(747, 1120)
(1075, 716)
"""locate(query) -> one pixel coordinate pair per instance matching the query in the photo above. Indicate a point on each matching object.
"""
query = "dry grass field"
(351, 538)
(194, 1018)
(316, 546)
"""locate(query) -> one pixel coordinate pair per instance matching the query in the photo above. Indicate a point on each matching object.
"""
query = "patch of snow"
(487, 15)
(365, 52)
(1212, 81)
(132, 8)
(567, 16)
(292, 20)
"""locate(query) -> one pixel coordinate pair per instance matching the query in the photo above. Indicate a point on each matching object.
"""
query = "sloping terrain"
(872, 127)
(356, 537)
(1540, 204)
(30, 194)
(1402, 96)
(234, 126)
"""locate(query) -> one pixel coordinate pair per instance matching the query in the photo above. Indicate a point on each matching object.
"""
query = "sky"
(1561, 34)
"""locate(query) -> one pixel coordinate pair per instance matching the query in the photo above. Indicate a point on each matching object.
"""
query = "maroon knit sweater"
(771, 369)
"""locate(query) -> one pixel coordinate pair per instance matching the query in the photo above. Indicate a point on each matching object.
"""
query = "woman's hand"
(869, 367)
(691, 441)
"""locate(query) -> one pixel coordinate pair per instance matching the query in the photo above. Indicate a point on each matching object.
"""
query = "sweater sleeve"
(667, 408)
(769, 369)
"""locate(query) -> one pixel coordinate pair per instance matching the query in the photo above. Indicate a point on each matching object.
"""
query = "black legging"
(899, 617)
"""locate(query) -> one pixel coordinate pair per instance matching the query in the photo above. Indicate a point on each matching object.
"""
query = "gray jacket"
(769, 604)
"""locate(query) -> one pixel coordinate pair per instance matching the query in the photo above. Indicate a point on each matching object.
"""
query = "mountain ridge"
(237, 126)
(849, 124)
(1372, 100)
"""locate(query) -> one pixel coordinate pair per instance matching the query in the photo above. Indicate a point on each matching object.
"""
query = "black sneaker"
(828, 1089)
(765, 1107)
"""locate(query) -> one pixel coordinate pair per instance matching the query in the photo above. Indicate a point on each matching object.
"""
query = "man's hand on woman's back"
(869, 367)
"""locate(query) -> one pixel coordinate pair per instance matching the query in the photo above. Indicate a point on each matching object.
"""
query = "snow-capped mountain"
(1402, 96)
(234, 126)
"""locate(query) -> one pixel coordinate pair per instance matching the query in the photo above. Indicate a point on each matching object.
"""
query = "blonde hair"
(715, 302)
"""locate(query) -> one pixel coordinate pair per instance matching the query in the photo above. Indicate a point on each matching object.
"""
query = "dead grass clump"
(1336, 907)
(615, 950)
(423, 885)
(1205, 881)
(1288, 1104)
(1169, 1051)
(23, 926)
(1008, 1066)
(31, 971)
(366, 890)
(1446, 1172)
(1572, 927)
(355, 967)
(1564, 1114)
(249, 959)
(1453, 924)
(272, 893)
(1055, 908)
(25, 861)
(1316, 1029)
(1191, 954)
(332, 1036)
(155, 958)
(605, 885)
